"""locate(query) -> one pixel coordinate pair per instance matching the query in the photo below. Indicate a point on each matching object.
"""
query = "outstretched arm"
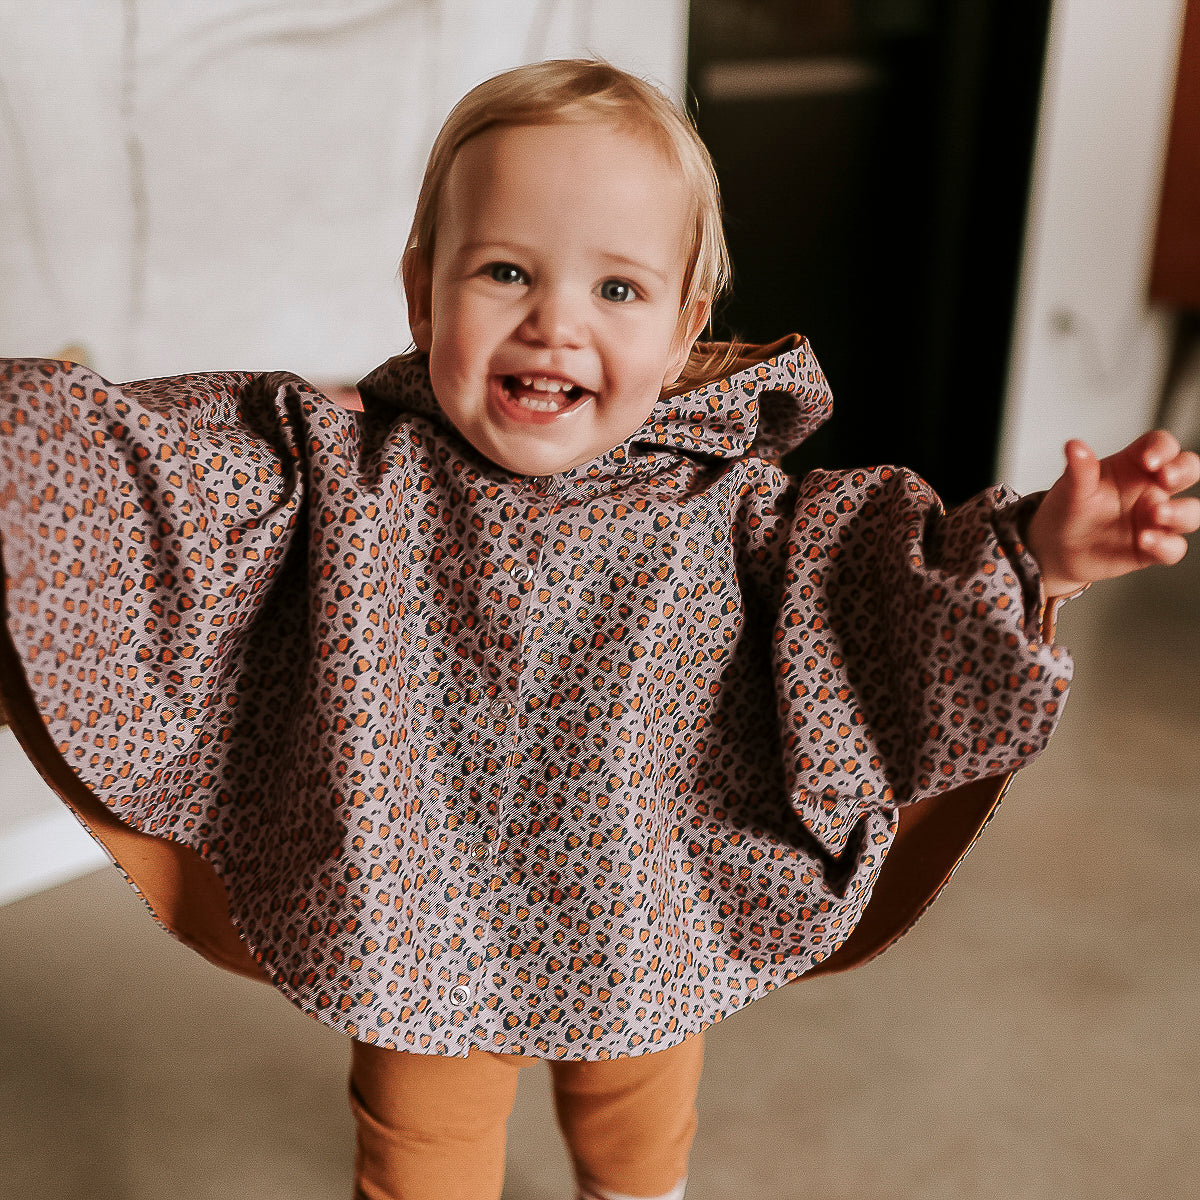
(1106, 517)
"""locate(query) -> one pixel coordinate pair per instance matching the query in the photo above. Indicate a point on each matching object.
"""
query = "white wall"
(41, 842)
(1088, 354)
(229, 185)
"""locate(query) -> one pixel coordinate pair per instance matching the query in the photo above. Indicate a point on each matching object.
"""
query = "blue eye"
(618, 291)
(506, 273)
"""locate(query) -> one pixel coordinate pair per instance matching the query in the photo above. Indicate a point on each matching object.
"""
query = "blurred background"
(985, 214)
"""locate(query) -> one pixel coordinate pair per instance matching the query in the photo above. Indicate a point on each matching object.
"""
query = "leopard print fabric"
(565, 767)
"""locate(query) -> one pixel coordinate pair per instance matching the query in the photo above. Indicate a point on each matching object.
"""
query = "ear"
(418, 291)
(690, 325)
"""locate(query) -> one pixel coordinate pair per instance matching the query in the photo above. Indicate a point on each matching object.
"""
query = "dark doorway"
(874, 158)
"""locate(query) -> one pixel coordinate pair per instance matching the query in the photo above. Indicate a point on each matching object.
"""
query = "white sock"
(586, 1193)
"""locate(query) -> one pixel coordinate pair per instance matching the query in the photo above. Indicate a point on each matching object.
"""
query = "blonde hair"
(578, 90)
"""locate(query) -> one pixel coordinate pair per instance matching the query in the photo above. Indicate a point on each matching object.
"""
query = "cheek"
(647, 366)
(454, 350)
(463, 340)
(447, 377)
(636, 408)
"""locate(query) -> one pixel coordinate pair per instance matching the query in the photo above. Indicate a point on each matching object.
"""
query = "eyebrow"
(468, 248)
(637, 265)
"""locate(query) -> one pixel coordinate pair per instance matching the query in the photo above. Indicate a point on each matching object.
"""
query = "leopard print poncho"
(566, 766)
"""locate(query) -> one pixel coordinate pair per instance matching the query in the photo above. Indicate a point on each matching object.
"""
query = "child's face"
(551, 310)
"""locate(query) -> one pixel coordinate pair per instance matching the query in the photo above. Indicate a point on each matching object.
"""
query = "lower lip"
(504, 405)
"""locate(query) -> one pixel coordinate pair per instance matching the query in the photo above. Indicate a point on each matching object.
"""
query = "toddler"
(533, 712)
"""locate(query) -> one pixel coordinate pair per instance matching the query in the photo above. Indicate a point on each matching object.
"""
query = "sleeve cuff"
(1011, 523)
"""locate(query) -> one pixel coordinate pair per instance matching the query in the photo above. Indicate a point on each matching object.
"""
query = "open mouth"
(540, 395)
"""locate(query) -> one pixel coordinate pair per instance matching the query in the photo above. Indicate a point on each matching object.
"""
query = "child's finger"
(1082, 474)
(1161, 547)
(1154, 450)
(1149, 512)
(1177, 516)
(1180, 472)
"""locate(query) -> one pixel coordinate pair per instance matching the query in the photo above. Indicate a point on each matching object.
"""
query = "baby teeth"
(544, 385)
(539, 405)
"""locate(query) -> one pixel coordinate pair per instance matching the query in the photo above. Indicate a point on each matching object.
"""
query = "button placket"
(496, 729)
(475, 847)
(495, 732)
(513, 710)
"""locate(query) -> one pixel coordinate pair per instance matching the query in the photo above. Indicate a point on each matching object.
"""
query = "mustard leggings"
(433, 1128)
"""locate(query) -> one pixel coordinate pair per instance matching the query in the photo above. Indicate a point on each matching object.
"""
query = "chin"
(534, 459)
(533, 465)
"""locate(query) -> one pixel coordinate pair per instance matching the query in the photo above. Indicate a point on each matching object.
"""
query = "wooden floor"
(1037, 1035)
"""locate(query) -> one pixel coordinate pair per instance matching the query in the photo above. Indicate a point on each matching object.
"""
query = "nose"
(556, 317)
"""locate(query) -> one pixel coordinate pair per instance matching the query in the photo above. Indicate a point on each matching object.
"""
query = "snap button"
(521, 573)
(504, 708)
(480, 851)
(460, 994)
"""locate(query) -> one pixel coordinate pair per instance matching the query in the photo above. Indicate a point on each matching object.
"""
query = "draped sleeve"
(154, 559)
(908, 651)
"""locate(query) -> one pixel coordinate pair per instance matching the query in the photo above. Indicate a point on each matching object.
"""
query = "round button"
(460, 994)
(521, 573)
(480, 851)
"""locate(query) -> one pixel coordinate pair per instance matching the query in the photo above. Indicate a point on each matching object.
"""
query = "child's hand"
(1106, 517)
